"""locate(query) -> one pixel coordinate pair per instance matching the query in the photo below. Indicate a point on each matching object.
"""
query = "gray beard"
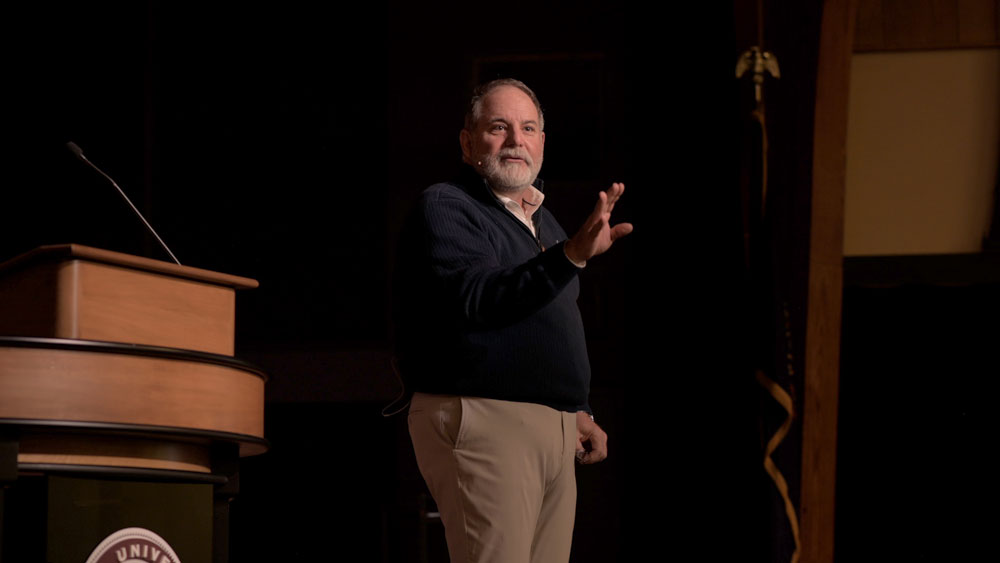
(509, 178)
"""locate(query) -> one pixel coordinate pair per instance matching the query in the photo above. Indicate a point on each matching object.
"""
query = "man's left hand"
(596, 235)
(592, 445)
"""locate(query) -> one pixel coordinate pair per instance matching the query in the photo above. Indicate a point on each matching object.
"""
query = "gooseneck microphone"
(79, 154)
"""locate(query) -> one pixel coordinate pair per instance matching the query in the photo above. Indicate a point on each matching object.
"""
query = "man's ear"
(465, 139)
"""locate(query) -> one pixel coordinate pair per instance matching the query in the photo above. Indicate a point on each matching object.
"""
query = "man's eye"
(529, 129)
(498, 127)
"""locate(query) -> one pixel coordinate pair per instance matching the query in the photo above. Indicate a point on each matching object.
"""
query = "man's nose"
(515, 137)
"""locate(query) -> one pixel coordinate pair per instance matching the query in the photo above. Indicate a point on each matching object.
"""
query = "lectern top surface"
(81, 252)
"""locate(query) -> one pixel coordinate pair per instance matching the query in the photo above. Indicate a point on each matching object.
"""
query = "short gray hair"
(475, 110)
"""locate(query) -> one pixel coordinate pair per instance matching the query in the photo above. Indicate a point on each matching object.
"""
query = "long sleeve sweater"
(485, 309)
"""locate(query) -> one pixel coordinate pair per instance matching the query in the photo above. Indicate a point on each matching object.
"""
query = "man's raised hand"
(596, 235)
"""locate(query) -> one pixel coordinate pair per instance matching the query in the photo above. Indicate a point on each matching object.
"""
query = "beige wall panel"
(922, 147)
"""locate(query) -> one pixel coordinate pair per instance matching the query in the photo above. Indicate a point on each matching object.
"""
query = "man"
(490, 338)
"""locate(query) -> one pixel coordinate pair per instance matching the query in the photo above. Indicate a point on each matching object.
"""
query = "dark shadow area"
(915, 474)
(286, 144)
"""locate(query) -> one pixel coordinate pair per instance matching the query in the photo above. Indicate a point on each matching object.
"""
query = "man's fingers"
(606, 199)
(581, 451)
(596, 234)
(620, 230)
(592, 441)
(598, 448)
(614, 192)
(599, 208)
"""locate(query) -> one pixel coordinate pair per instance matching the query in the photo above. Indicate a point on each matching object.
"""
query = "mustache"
(514, 153)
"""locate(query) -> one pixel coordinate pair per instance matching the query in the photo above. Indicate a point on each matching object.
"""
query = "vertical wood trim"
(67, 324)
(822, 347)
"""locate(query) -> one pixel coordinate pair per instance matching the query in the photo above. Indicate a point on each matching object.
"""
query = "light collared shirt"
(531, 199)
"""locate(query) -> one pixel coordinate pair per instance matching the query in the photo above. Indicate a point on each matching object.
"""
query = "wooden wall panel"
(978, 22)
(891, 25)
(822, 365)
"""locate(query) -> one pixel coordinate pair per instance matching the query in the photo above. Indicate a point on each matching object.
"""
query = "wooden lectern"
(117, 367)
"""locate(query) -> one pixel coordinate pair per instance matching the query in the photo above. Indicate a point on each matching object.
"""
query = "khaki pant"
(502, 474)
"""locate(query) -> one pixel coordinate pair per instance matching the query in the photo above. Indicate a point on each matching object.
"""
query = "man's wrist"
(577, 263)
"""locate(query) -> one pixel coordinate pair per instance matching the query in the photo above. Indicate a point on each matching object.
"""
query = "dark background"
(286, 142)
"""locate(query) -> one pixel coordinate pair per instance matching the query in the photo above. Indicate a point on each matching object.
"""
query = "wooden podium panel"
(73, 291)
(117, 373)
(73, 384)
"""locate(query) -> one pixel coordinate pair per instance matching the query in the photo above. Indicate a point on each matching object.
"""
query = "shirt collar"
(528, 201)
